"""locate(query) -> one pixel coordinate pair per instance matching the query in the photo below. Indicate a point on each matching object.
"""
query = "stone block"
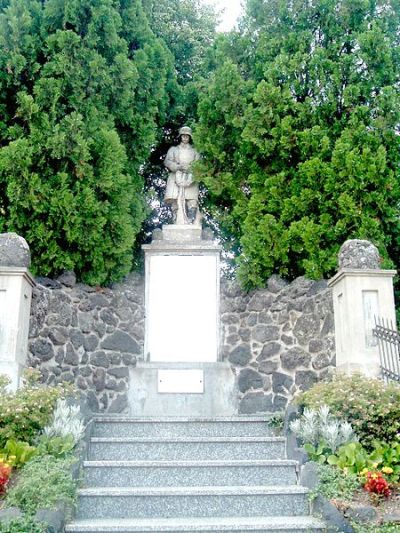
(67, 278)
(260, 301)
(269, 350)
(240, 355)
(275, 284)
(264, 333)
(281, 383)
(305, 379)
(307, 327)
(249, 379)
(42, 349)
(120, 341)
(99, 359)
(14, 251)
(256, 402)
(9, 513)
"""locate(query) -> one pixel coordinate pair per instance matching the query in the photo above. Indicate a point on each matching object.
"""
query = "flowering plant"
(5, 473)
(377, 484)
(321, 433)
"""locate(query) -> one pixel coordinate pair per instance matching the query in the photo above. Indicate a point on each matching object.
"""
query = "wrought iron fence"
(389, 348)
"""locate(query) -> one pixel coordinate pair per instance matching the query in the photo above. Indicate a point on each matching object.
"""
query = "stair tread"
(193, 491)
(197, 523)
(154, 420)
(187, 439)
(198, 463)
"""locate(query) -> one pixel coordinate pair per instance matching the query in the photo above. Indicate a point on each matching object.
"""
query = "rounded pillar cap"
(14, 251)
(359, 254)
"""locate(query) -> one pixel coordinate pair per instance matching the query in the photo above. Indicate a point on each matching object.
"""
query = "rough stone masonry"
(278, 340)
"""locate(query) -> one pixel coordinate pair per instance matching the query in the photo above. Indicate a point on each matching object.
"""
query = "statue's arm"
(170, 160)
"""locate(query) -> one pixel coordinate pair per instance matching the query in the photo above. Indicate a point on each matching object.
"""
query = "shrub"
(27, 411)
(42, 483)
(371, 406)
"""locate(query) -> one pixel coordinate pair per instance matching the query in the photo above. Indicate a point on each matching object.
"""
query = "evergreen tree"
(298, 129)
(84, 87)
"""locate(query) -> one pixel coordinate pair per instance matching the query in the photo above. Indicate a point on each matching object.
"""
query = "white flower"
(324, 414)
(66, 421)
(330, 433)
(346, 433)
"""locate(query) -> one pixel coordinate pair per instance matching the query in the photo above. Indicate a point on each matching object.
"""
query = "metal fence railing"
(389, 348)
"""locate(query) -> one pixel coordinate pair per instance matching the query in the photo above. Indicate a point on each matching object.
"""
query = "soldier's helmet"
(185, 130)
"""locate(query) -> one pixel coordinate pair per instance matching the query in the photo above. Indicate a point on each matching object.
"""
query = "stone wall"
(88, 336)
(278, 340)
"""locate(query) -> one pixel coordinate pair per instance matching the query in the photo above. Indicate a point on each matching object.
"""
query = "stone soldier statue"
(182, 192)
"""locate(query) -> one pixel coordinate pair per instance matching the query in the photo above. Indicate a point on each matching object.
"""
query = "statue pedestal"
(181, 372)
(182, 297)
(181, 233)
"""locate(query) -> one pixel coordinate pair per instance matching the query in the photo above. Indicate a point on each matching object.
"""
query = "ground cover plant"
(365, 468)
(23, 525)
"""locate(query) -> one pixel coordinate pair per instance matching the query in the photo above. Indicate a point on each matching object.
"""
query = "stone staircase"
(190, 474)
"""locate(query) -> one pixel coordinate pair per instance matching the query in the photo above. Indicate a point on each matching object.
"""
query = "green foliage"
(298, 129)
(387, 456)
(56, 446)
(188, 29)
(351, 457)
(375, 528)
(16, 453)
(371, 406)
(22, 525)
(318, 453)
(83, 88)
(276, 422)
(335, 484)
(42, 483)
(27, 411)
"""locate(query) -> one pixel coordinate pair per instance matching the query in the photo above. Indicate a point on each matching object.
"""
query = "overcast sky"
(231, 12)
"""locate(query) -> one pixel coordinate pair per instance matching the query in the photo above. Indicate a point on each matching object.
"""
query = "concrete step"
(207, 448)
(187, 473)
(184, 502)
(269, 524)
(182, 427)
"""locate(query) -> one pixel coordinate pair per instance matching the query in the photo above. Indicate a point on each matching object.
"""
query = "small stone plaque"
(181, 381)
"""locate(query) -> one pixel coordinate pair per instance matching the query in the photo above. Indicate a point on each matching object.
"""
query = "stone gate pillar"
(361, 293)
(15, 303)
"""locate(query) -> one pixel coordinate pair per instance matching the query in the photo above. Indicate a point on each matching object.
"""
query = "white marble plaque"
(182, 308)
(181, 381)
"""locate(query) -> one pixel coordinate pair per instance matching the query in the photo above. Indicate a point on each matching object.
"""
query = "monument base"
(159, 389)
(181, 232)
